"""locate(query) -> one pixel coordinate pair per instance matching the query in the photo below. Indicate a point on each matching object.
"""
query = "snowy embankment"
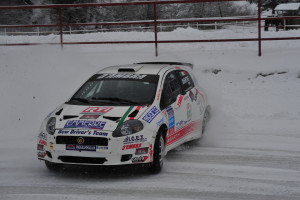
(251, 148)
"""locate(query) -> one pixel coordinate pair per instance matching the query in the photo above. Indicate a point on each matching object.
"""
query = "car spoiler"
(168, 63)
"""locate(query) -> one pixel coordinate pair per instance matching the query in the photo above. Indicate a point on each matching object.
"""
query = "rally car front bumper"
(97, 150)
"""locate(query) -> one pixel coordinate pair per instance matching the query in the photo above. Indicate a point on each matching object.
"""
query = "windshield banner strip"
(125, 115)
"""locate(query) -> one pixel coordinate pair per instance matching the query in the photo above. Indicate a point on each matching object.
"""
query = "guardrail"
(155, 23)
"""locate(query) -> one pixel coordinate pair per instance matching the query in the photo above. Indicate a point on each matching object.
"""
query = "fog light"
(126, 157)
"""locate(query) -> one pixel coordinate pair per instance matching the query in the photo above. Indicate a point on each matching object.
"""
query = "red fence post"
(60, 27)
(259, 27)
(155, 29)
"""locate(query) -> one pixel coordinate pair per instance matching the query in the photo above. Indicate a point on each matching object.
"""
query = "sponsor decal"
(74, 132)
(40, 147)
(85, 124)
(171, 119)
(177, 68)
(139, 159)
(131, 146)
(141, 151)
(97, 110)
(129, 76)
(51, 145)
(43, 142)
(180, 124)
(186, 130)
(78, 147)
(151, 152)
(186, 80)
(43, 136)
(134, 139)
(82, 132)
(148, 117)
(89, 116)
(41, 154)
(158, 94)
(101, 148)
(160, 122)
(180, 100)
(170, 111)
(100, 133)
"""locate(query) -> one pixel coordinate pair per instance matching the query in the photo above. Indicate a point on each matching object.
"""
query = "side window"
(171, 90)
(186, 81)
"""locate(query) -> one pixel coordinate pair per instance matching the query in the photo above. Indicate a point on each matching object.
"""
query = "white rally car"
(125, 115)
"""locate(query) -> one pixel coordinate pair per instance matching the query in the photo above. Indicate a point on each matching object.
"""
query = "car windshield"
(117, 89)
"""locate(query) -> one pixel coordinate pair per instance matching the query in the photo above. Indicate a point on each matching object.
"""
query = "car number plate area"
(78, 147)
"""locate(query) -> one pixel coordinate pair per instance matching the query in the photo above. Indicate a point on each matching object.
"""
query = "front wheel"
(158, 154)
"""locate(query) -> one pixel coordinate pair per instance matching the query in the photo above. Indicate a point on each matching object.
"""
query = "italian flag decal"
(183, 73)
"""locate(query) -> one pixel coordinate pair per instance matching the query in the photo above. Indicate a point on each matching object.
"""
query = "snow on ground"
(250, 150)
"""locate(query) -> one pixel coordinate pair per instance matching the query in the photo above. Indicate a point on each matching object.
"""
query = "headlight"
(50, 127)
(127, 128)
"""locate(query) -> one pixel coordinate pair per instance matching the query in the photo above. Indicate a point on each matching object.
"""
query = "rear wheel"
(158, 154)
(52, 166)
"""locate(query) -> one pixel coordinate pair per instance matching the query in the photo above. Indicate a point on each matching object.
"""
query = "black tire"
(52, 166)
(158, 154)
(205, 120)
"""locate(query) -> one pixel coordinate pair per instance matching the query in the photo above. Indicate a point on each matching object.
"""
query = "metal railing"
(155, 23)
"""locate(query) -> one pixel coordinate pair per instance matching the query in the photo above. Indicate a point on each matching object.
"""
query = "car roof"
(143, 68)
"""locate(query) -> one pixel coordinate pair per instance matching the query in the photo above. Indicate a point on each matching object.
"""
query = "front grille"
(99, 141)
(76, 159)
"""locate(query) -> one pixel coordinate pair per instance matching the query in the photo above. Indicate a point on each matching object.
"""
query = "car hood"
(106, 118)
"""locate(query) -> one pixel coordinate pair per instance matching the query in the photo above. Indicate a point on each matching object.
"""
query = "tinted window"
(186, 81)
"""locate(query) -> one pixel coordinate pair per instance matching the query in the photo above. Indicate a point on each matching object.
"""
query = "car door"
(174, 108)
(193, 99)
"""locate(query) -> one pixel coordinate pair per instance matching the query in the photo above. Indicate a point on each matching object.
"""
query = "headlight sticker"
(149, 116)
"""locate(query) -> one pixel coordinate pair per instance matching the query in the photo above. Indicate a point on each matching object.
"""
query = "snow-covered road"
(251, 149)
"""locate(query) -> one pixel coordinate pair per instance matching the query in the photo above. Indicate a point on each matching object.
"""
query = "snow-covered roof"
(288, 6)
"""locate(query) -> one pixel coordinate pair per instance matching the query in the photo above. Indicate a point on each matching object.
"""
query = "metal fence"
(156, 24)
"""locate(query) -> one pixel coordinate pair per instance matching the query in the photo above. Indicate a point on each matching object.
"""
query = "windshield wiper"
(80, 100)
(116, 99)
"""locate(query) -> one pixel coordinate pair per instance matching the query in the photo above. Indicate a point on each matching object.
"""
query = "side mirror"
(179, 100)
